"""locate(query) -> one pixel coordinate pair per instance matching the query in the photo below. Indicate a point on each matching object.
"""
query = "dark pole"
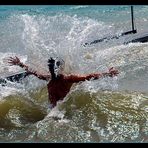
(116, 36)
(132, 17)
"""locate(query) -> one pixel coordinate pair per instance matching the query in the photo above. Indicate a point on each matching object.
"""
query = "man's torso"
(58, 89)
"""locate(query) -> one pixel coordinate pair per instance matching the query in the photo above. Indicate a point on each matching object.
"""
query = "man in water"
(59, 84)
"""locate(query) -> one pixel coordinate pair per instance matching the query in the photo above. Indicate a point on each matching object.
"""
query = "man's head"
(56, 66)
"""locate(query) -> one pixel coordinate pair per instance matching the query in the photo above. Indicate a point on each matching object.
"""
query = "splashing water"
(104, 110)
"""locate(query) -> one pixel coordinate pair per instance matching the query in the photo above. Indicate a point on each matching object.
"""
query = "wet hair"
(51, 61)
(54, 65)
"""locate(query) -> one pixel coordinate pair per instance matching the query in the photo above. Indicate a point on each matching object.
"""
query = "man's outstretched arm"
(78, 78)
(16, 61)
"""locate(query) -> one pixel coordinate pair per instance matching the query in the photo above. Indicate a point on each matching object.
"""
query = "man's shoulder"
(70, 76)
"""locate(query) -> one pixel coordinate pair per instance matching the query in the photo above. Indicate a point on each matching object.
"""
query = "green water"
(102, 116)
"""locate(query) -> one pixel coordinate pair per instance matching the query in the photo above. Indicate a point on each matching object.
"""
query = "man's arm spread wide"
(32, 72)
(16, 61)
(94, 76)
(79, 78)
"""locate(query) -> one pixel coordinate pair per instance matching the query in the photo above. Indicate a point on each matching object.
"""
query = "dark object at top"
(139, 38)
(13, 78)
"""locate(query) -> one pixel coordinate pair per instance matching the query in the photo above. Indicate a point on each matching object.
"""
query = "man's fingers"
(11, 57)
(16, 57)
(11, 64)
(13, 60)
(111, 68)
(114, 72)
(10, 60)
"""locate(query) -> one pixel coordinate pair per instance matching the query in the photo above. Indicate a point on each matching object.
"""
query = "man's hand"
(113, 72)
(14, 61)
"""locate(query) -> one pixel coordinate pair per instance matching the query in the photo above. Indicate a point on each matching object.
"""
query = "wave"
(79, 7)
(83, 116)
(102, 116)
(106, 110)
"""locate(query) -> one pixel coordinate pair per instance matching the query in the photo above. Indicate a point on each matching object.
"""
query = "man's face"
(56, 67)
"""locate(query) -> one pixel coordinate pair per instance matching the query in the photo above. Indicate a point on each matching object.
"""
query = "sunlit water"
(104, 110)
